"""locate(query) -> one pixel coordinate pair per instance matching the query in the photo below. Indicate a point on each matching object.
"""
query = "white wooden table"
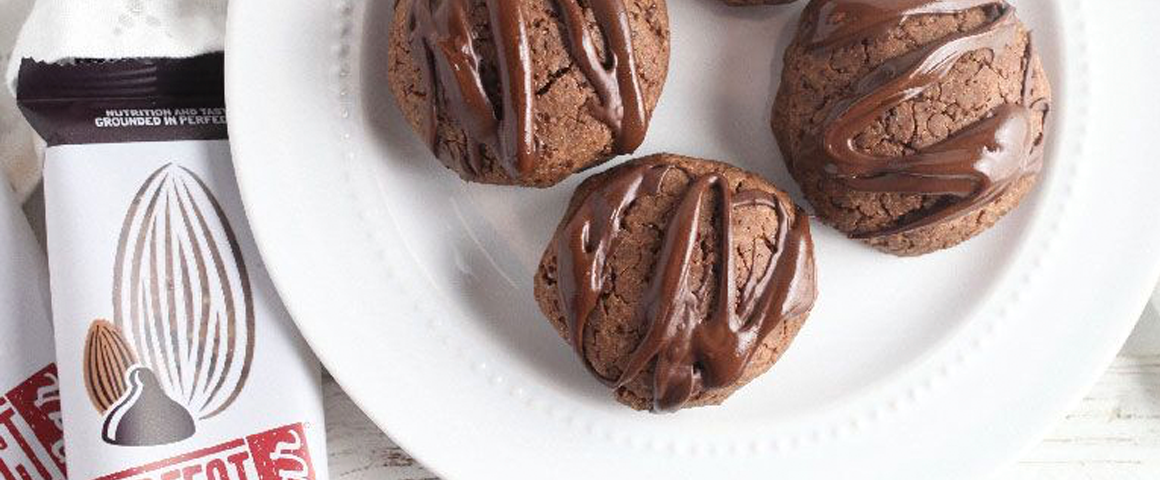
(1114, 433)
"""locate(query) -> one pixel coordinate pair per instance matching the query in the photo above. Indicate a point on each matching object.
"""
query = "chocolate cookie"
(678, 280)
(526, 92)
(912, 125)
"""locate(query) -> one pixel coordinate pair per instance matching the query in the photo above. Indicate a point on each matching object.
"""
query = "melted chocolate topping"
(692, 354)
(974, 165)
(443, 44)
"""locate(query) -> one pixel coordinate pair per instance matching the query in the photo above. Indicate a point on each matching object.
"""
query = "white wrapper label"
(176, 359)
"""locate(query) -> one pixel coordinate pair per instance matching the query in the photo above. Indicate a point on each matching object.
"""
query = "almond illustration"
(107, 358)
(181, 293)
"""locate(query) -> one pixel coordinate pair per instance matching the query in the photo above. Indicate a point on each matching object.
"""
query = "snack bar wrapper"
(31, 437)
(176, 358)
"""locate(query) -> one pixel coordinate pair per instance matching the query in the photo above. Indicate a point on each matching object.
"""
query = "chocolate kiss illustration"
(146, 416)
(181, 294)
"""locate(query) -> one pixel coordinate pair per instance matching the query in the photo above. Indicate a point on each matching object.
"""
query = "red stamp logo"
(278, 454)
(31, 435)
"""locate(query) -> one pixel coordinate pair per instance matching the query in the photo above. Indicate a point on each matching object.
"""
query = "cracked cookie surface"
(816, 81)
(768, 281)
(568, 135)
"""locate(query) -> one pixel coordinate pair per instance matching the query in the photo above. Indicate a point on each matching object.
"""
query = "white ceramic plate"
(415, 288)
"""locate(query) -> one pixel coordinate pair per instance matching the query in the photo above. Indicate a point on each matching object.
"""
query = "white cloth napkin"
(19, 160)
(58, 30)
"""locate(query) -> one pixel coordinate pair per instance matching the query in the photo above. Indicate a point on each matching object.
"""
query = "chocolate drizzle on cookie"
(972, 167)
(443, 42)
(693, 353)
